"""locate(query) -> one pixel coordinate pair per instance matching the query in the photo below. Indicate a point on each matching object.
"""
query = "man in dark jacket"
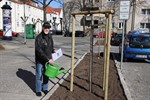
(43, 53)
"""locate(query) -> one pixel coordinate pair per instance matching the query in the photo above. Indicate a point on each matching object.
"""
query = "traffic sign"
(124, 9)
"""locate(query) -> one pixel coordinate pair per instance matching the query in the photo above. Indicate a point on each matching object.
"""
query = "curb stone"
(124, 85)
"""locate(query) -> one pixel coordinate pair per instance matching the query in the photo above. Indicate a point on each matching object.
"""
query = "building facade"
(139, 19)
(55, 16)
(31, 12)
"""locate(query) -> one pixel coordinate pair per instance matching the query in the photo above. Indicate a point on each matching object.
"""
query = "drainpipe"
(133, 14)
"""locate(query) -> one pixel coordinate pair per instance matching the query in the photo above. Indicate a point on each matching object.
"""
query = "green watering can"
(52, 70)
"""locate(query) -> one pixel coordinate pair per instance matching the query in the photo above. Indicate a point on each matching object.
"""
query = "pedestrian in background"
(43, 53)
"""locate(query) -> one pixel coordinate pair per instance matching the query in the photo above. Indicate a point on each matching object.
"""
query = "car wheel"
(124, 58)
(127, 59)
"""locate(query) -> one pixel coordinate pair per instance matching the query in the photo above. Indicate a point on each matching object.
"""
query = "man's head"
(46, 27)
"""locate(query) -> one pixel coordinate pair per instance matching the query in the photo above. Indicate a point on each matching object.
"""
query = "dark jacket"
(43, 48)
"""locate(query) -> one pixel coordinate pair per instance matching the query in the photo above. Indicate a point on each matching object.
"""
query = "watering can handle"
(46, 65)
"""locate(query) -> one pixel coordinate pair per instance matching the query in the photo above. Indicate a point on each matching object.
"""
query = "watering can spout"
(60, 71)
(53, 71)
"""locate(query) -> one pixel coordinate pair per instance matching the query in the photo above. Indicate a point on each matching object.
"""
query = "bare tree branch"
(49, 2)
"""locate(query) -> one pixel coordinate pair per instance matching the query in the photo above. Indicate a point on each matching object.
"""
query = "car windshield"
(140, 42)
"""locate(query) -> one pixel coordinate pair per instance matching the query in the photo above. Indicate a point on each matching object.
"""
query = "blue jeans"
(41, 85)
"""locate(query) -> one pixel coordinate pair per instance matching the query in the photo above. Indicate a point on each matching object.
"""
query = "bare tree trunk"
(44, 10)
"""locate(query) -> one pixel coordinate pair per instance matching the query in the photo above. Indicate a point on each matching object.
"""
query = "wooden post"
(107, 45)
(72, 54)
(108, 56)
(105, 50)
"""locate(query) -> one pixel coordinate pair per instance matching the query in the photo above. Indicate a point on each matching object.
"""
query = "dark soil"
(81, 83)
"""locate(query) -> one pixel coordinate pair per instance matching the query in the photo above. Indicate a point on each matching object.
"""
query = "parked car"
(116, 40)
(56, 32)
(77, 34)
(13, 33)
(138, 47)
(101, 34)
(135, 32)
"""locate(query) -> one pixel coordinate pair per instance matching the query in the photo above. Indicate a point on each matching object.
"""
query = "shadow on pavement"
(28, 77)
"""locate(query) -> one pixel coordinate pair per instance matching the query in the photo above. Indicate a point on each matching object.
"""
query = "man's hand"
(54, 50)
(51, 61)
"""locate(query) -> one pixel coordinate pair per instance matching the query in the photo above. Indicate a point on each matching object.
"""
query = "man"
(43, 53)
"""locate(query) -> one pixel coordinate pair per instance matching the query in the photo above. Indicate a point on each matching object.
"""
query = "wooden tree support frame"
(108, 15)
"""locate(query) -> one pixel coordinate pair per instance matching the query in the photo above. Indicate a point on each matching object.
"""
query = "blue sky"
(55, 4)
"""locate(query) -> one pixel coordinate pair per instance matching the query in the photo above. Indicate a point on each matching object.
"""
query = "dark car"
(77, 34)
(67, 33)
(116, 40)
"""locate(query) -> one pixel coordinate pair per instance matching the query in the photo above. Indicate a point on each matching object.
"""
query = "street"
(136, 76)
(17, 68)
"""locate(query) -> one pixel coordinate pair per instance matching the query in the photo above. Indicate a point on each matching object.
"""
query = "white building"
(33, 13)
(139, 21)
(54, 15)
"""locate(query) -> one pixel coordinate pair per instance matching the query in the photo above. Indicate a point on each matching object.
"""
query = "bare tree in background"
(44, 4)
(73, 5)
(68, 8)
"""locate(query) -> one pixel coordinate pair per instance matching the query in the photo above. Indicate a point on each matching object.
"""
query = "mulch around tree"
(81, 83)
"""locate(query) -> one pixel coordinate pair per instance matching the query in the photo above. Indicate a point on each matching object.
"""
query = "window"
(113, 25)
(17, 6)
(147, 25)
(95, 23)
(17, 24)
(120, 25)
(29, 8)
(88, 22)
(10, 3)
(22, 24)
(148, 12)
(145, 11)
(142, 25)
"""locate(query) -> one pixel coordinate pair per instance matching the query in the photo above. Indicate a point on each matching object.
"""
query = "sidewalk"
(17, 69)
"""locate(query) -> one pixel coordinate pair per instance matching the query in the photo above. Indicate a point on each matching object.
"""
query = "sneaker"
(38, 94)
(45, 92)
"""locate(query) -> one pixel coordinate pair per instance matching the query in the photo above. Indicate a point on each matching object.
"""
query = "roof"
(33, 4)
(52, 10)
(29, 2)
